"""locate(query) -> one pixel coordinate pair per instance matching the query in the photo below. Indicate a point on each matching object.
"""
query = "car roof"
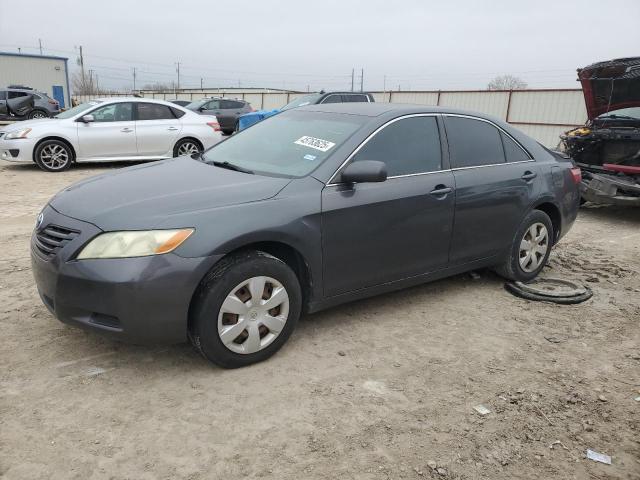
(133, 99)
(376, 109)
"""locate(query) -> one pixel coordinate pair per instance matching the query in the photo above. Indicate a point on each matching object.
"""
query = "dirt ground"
(378, 389)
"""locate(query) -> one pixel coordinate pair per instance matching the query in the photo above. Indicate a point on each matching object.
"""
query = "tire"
(53, 156)
(229, 281)
(34, 114)
(228, 132)
(187, 146)
(513, 268)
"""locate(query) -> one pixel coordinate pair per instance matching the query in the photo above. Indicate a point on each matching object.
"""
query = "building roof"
(32, 55)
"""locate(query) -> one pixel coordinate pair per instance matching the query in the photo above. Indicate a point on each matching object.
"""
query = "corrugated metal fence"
(542, 114)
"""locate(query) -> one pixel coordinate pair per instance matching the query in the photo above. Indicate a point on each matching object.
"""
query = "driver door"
(112, 134)
(375, 233)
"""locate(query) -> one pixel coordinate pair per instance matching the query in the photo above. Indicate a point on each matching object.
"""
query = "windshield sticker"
(310, 157)
(317, 143)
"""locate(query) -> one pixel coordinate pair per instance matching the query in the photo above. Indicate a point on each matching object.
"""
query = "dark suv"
(226, 110)
(18, 103)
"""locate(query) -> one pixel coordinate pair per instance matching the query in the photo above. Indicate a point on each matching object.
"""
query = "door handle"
(528, 175)
(172, 128)
(126, 130)
(441, 190)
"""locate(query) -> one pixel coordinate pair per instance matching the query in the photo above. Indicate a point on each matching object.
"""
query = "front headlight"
(134, 244)
(17, 134)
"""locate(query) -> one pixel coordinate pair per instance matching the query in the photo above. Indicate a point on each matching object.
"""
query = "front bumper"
(610, 189)
(141, 300)
(20, 150)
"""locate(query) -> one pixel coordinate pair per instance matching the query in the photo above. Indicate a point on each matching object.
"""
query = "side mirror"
(88, 118)
(364, 171)
(201, 109)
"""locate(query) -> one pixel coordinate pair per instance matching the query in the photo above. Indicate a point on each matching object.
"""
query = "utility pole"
(201, 80)
(134, 79)
(384, 83)
(362, 80)
(84, 81)
(178, 70)
(40, 43)
(353, 72)
(97, 85)
(90, 82)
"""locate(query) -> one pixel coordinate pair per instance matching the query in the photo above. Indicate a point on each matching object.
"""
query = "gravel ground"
(377, 389)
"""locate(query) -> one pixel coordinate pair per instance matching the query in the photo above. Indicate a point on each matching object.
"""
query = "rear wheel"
(530, 249)
(187, 146)
(245, 309)
(53, 156)
(36, 114)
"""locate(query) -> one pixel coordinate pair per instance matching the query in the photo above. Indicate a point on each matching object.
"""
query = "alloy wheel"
(54, 157)
(37, 115)
(188, 148)
(533, 247)
(253, 314)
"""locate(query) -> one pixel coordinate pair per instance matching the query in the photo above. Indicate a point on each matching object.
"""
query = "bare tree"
(82, 84)
(507, 82)
(159, 86)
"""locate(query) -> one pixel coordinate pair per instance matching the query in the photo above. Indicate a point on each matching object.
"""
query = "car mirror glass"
(88, 118)
(364, 171)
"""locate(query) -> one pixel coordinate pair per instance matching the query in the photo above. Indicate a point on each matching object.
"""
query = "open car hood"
(610, 85)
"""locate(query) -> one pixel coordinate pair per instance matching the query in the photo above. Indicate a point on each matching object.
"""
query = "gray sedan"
(311, 208)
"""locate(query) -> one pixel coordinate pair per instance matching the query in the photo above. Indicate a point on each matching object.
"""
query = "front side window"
(473, 143)
(212, 105)
(154, 111)
(406, 146)
(3, 95)
(333, 99)
(116, 112)
(290, 144)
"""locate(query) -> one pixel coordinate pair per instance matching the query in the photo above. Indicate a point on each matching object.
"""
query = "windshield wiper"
(231, 166)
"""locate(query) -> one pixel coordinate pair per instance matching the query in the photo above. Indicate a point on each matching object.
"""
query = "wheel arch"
(552, 210)
(54, 137)
(282, 251)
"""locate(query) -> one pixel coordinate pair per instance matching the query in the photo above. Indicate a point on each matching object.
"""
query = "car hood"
(610, 85)
(14, 127)
(157, 195)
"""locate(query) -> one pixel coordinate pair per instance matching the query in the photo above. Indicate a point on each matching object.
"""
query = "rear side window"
(512, 151)
(355, 98)
(17, 94)
(176, 112)
(473, 143)
(410, 145)
(154, 111)
(231, 104)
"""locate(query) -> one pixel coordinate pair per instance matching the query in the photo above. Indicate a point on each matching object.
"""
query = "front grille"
(51, 239)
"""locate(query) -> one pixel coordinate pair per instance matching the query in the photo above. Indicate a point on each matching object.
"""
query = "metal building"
(44, 73)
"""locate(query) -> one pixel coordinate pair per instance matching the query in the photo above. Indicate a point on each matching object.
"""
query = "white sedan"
(107, 130)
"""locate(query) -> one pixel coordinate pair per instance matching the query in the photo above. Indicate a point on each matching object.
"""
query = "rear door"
(373, 233)
(157, 129)
(112, 134)
(19, 103)
(3, 104)
(492, 194)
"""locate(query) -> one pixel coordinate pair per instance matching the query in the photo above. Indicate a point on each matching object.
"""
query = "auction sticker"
(317, 143)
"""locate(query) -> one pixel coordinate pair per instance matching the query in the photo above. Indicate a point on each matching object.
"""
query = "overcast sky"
(416, 44)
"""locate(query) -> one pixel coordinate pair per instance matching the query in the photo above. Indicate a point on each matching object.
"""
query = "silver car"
(108, 130)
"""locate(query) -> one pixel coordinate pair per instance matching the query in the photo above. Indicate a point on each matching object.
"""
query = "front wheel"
(245, 309)
(53, 156)
(530, 249)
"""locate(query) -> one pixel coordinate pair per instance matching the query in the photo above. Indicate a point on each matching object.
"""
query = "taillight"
(214, 125)
(53, 102)
(576, 174)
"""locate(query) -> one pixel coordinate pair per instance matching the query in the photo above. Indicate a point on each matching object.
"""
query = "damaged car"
(607, 148)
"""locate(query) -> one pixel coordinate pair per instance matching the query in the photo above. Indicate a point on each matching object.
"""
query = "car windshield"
(78, 109)
(291, 144)
(302, 101)
(633, 112)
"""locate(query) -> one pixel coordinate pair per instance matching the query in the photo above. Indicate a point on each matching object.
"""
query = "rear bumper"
(610, 189)
(142, 300)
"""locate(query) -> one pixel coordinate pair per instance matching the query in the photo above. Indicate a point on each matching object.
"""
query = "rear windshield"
(291, 144)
